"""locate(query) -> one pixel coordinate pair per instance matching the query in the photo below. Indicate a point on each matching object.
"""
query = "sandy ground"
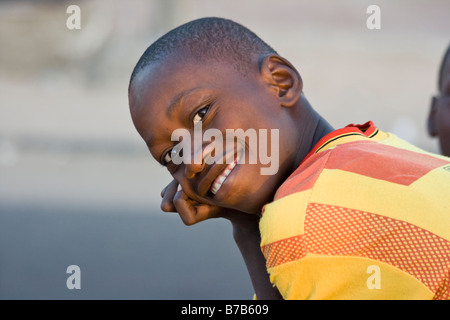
(77, 185)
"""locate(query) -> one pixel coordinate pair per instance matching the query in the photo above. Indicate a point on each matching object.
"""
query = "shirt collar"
(351, 132)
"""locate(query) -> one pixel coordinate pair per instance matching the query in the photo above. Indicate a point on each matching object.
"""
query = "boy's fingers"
(174, 199)
(167, 194)
(185, 208)
(163, 191)
(170, 187)
(190, 211)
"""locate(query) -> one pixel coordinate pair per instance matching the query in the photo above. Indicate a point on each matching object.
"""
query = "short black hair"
(441, 69)
(207, 39)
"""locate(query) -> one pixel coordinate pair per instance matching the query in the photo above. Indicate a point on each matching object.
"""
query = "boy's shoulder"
(365, 200)
(380, 174)
(370, 154)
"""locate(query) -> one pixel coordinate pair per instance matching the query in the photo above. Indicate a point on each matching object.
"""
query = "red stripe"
(366, 129)
(383, 162)
(304, 177)
(373, 160)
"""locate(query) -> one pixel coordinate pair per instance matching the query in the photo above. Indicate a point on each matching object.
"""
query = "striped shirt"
(366, 215)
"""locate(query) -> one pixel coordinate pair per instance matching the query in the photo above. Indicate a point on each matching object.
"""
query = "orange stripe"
(283, 251)
(333, 230)
(338, 231)
(383, 162)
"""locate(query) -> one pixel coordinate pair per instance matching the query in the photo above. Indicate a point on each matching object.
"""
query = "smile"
(222, 177)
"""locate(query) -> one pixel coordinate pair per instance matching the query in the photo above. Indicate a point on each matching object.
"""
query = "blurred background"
(77, 184)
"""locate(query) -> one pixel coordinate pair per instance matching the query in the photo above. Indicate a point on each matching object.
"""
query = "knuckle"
(166, 207)
(188, 221)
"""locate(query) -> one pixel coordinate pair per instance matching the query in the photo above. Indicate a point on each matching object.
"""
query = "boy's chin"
(254, 202)
(246, 190)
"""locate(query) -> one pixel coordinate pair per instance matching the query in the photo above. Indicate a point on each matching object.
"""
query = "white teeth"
(221, 178)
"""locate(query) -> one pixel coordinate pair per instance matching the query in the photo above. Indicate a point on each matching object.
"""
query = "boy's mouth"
(215, 186)
(217, 174)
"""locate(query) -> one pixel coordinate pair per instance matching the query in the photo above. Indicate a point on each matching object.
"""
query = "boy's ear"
(285, 79)
(431, 123)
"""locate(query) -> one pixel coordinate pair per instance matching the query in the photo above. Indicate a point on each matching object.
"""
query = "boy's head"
(217, 74)
(215, 39)
(439, 117)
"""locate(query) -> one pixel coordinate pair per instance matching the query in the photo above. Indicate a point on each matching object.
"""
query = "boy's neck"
(322, 129)
(313, 128)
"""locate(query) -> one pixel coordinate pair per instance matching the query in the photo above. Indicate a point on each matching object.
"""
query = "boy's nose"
(196, 165)
(193, 168)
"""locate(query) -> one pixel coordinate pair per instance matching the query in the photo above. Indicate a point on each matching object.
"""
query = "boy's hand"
(191, 212)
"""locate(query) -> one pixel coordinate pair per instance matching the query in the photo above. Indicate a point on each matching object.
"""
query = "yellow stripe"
(424, 203)
(284, 218)
(343, 277)
(393, 141)
(344, 138)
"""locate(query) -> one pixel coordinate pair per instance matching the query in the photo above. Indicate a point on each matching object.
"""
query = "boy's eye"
(167, 157)
(199, 115)
(171, 153)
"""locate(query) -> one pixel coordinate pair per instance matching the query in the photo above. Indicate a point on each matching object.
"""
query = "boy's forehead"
(150, 81)
(171, 79)
(159, 90)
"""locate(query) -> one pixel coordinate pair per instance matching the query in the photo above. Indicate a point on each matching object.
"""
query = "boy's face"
(172, 94)
(441, 113)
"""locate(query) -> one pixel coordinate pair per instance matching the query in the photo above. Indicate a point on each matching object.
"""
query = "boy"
(353, 213)
(439, 117)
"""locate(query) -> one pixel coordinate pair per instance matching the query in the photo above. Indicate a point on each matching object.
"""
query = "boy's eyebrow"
(175, 103)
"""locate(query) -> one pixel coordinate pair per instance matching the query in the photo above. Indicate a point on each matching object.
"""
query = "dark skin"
(439, 116)
(268, 97)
